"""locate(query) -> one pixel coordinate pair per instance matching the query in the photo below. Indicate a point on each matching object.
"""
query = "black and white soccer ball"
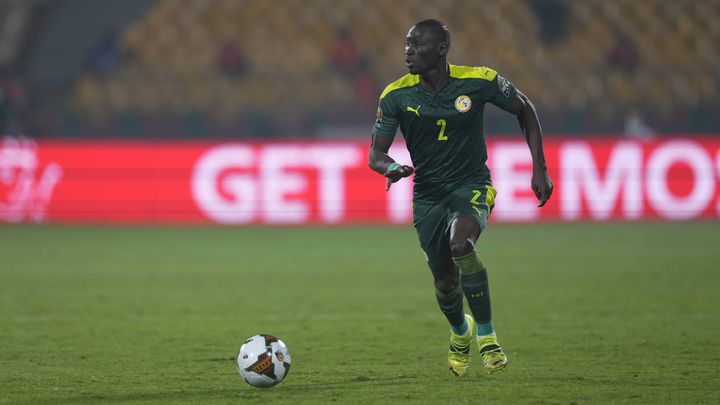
(263, 361)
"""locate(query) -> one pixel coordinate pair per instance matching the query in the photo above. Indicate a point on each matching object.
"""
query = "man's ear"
(443, 49)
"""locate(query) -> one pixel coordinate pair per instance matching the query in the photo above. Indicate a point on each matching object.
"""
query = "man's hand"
(396, 172)
(542, 186)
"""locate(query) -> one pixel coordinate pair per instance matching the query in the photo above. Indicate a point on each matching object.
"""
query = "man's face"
(422, 50)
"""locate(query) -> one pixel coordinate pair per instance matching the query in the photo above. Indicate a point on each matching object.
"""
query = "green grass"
(588, 313)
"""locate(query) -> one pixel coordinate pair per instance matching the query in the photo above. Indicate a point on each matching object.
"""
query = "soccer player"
(439, 108)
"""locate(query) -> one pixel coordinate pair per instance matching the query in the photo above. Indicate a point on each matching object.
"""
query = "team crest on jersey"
(378, 116)
(463, 104)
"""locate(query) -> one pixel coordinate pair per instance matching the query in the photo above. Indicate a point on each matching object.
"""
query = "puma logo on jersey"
(415, 110)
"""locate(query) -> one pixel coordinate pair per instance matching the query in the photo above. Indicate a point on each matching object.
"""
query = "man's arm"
(381, 162)
(525, 112)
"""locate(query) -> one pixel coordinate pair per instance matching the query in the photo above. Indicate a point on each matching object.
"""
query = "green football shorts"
(432, 220)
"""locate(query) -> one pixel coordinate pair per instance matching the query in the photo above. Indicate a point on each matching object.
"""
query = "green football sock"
(474, 281)
(484, 329)
(452, 306)
(462, 329)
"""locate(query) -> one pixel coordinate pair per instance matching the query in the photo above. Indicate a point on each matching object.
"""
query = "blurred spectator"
(552, 15)
(344, 53)
(636, 127)
(105, 56)
(4, 108)
(231, 60)
(624, 53)
(13, 103)
(366, 87)
(346, 59)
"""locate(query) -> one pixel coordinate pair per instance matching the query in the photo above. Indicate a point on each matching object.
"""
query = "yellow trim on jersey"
(472, 72)
(490, 196)
(405, 81)
(458, 72)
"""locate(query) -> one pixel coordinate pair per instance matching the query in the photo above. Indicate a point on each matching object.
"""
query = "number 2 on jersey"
(441, 123)
(476, 195)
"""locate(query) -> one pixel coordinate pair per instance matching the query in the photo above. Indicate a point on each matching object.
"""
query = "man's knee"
(464, 231)
(461, 245)
(446, 286)
(447, 281)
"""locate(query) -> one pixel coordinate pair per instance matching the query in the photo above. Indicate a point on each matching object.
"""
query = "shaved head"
(435, 30)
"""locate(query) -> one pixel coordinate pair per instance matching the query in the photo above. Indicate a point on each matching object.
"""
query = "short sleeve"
(502, 93)
(386, 118)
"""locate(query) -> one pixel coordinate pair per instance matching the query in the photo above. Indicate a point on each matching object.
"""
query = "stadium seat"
(171, 62)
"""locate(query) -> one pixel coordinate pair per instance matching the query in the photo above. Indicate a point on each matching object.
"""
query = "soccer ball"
(263, 361)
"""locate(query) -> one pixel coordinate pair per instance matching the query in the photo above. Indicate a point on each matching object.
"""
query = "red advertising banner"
(236, 183)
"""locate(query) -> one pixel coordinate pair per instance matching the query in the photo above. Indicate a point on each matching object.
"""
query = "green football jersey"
(444, 131)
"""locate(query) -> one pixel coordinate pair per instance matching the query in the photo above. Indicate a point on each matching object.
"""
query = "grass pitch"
(587, 313)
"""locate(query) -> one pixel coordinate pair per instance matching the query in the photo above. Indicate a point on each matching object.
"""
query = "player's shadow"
(152, 397)
(242, 392)
(314, 386)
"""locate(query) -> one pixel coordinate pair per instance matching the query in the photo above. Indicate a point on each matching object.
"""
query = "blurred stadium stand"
(240, 68)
